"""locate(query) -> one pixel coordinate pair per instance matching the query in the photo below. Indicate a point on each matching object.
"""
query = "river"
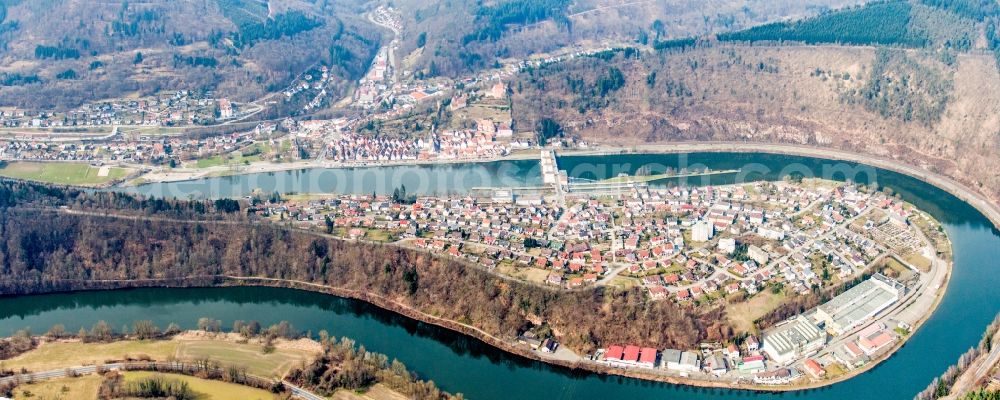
(460, 364)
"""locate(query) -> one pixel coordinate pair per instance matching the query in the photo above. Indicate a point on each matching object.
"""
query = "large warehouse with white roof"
(858, 304)
(793, 339)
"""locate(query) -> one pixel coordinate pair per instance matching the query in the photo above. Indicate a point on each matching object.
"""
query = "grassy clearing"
(152, 131)
(307, 196)
(380, 235)
(834, 370)
(922, 263)
(377, 392)
(209, 162)
(903, 272)
(623, 282)
(530, 274)
(61, 172)
(84, 387)
(259, 151)
(742, 315)
(251, 356)
(58, 355)
(207, 389)
(56, 130)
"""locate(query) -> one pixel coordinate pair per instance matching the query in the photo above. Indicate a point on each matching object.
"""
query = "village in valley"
(878, 262)
(748, 247)
(395, 115)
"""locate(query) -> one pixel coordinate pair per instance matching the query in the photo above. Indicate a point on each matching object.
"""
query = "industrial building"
(793, 339)
(858, 304)
(680, 361)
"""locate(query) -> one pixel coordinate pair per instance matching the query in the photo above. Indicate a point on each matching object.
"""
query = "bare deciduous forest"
(897, 103)
(462, 36)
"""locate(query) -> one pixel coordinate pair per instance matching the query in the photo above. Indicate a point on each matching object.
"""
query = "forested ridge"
(43, 251)
(241, 49)
(934, 24)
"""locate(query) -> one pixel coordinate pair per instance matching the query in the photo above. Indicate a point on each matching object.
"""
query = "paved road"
(90, 369)
(976, 371)
(302, 393)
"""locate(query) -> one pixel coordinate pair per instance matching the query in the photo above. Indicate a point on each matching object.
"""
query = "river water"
(461, 364)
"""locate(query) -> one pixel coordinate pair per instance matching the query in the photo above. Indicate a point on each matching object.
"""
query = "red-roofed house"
(871, 344)
(631, 354)
(813, 368)
(647, 357)
(657, 292)
(614, 353)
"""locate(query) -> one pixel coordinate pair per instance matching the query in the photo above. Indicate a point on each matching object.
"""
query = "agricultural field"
(377, 392)
(84, 387)
(58, 355)
(206, 389)
(50, 356)
(251, 356)
(63, 173)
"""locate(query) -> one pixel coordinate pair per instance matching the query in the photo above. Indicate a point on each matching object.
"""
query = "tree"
(145, 329)
(548, 128)
(101, 331)
(205, 324)
(658, 28)
(57, 331)
(172, 329)
(329, 223)
(411, 279)
(238, 326)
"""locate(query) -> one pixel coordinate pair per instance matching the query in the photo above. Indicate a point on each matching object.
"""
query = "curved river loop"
(458, 363)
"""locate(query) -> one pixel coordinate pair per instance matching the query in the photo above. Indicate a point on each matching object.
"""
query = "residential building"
(702, 231)
(757, 254)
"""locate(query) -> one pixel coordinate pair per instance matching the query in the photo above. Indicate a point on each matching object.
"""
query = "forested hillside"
(453, 37)
(896, 22)
(63, 53)
(51, 250)
(905, 104)
(927, 93)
